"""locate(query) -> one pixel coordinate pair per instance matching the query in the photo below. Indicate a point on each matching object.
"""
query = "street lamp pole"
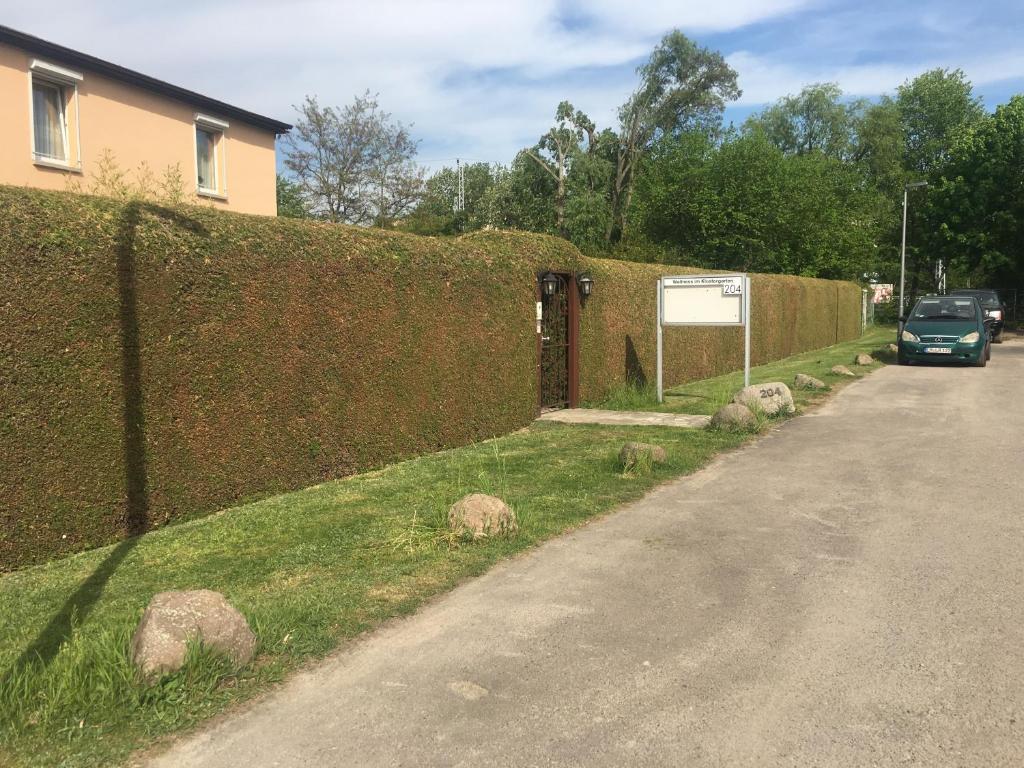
(903, 247)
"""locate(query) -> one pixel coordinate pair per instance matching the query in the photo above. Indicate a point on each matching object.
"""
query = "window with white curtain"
(211, 156)
(206, 159)
(49, 121)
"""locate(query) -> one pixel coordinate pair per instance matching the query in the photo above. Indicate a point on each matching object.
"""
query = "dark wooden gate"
(559, 333)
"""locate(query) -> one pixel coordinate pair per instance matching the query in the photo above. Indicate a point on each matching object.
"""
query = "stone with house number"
(770, 398)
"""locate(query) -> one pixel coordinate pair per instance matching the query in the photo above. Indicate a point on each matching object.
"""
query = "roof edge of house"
(42, 47)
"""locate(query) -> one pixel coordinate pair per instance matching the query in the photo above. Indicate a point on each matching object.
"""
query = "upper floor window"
(211, 168)
(50, 127)
(206, 159)
(54, 103)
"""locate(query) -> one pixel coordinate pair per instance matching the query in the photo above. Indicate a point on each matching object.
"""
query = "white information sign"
(704, 300)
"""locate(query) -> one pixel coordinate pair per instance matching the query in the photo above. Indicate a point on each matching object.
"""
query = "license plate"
(938, 350)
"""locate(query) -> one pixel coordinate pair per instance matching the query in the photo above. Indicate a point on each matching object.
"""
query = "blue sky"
(481, 79)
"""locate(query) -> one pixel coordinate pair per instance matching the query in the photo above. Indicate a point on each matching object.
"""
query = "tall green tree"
(289, 199)
(814, 120)
(522, 197)
(683, 87)
(556, 152)
(353, 164)
(977, 208)
(435, 213)
(747, 205)
(934, 107)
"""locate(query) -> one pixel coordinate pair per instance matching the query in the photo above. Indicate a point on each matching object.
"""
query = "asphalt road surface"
(848, 591)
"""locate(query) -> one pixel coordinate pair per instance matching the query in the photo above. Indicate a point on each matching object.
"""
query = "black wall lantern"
(549, 284)
(586, 283)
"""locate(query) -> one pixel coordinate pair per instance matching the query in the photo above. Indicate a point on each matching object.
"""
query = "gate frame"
(573, 355)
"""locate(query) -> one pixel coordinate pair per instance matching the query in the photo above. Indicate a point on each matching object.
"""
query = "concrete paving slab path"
(846, 591)
(637, 418)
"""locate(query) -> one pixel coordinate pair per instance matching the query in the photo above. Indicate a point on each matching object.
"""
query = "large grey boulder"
(173, 618)
(803, 381)
(481, 516)
(863, 359)
(842, 370)
(771, 398)
(734, 415)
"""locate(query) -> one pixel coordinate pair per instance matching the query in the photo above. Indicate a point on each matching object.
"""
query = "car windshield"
(988, 299)
(945, 308)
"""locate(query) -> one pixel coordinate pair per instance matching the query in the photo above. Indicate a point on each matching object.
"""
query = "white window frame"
(63, 79)
(219, 128)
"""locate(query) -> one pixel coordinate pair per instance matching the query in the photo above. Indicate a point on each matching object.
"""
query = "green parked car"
(945, 329)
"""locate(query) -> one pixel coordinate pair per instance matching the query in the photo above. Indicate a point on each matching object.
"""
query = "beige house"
(63, 111)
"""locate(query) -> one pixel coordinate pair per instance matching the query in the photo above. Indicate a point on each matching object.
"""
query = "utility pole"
(460, 195)
(903, 248)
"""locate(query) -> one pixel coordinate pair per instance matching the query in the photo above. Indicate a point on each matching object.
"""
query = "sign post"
(704, 300)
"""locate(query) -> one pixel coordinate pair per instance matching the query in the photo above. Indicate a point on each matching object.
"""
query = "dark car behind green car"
(945, 329)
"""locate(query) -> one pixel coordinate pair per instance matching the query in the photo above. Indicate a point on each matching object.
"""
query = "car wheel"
(982, 359)
(902, 360)
(998, 338)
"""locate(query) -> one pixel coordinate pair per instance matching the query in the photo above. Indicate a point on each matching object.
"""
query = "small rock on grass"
(863, 359)
(892, 348)
(173, 618)
(734, 415)
(842, 370)
(803, 381)
(482, 516)
(633, 452)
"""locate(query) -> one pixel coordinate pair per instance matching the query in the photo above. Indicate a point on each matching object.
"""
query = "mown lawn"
(708, 395)
(309, 569)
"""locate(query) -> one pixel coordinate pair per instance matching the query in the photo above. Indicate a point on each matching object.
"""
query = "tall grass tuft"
(631, 396)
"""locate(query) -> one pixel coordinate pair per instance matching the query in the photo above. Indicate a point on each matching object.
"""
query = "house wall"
(136, 126)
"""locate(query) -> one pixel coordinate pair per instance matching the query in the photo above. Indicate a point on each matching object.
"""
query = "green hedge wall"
(788, 315)
(157, 365)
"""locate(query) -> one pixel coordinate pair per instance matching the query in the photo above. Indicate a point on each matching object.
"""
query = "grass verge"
(708, 395)
(309, 570)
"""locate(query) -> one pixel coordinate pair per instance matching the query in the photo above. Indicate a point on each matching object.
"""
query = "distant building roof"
(67, 55)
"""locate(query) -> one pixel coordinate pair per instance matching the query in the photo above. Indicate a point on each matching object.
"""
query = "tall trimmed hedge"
(157, 365)
(618, 327)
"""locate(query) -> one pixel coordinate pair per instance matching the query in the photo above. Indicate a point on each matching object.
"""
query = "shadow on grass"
(46, 645)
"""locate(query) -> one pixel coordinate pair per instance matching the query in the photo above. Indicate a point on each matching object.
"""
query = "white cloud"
(765, 79)
(477, 78)
(656, 16)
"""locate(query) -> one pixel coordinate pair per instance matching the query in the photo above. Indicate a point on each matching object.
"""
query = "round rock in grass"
(734, 415)
(892, 348)
(863, 359)
(173, 618)
(842, 370)
(803, 381)
(771, 398)
(631, 453)
(482, 516)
